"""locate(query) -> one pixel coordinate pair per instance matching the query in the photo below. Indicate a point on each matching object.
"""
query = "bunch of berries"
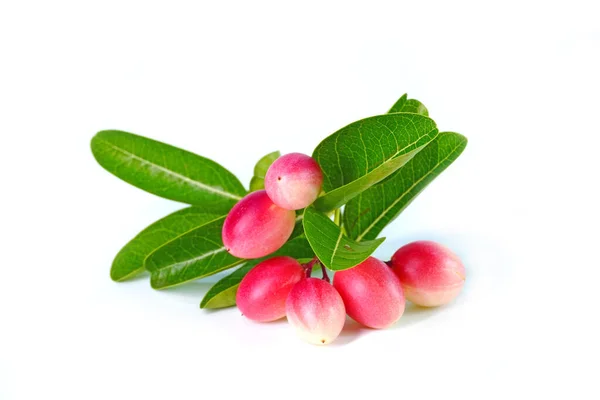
(373, 293)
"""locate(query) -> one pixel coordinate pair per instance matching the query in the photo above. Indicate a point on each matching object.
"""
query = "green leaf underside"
(222, 294)
(256, 184)
(165, 170)
(260, 171)
(368, 214)
(193, 255)
(130, 260)
(404, 104)
(367, 151)
(336, 251)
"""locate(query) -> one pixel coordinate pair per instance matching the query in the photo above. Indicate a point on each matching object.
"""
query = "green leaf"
(336, 251)
(404, 104)
(366, 215)
(195, 254)
(260, 171)
(130, 260)
(367, 151)
(222, 294)
(165, 170)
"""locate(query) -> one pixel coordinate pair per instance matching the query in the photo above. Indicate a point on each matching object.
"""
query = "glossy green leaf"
(260, 171)
(366, 215)
(193, 255)
(404, 104)
(130, 260)
(335, 250)
(222, 294)
(165, 170)
(367, 151)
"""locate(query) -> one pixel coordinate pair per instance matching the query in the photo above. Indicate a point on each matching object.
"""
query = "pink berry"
(294, 181)
(256, 227)
(372, 293)
(430, 273)
(262, 293)
(316, 310)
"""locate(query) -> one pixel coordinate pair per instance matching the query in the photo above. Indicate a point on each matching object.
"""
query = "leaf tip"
(115, 277)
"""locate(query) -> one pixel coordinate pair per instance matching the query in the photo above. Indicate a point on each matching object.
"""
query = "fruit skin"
(372, 293)
(256, 227)
(262, 293)
(294, 181)
(430, 273)
(316, 310)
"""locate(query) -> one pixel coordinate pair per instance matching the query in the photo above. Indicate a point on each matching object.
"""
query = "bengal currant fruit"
(262, 293)
(256, 227)
(430, 273)
(372, 293)
(316, 311)
(294, 181)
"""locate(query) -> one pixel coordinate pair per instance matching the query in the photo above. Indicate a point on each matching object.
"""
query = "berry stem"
(325, 276)
(309, 266)
(308, 272)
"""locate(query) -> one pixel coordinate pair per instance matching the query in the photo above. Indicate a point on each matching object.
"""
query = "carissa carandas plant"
(373, 167)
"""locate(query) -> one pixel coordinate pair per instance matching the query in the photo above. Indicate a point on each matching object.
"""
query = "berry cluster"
(372, 293)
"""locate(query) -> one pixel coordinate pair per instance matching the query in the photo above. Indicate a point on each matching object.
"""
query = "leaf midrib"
(337, 245)
(172, 173)
(362, 235)
(396, 139)
(186, 263)
(385, 161)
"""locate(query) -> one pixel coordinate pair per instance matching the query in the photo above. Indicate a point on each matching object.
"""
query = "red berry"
(262, 293)
(316, 310)
(430, 273)
(256, 227)
(294, 181)
(372, 293)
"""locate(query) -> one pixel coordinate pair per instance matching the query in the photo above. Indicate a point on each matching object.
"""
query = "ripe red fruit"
(430, 273)
(372, 293)
(256, 227)
(316, 310)
(294, 181)
(262, 293)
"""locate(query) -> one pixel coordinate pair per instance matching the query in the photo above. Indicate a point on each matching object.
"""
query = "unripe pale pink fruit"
(372, 293)
(294, 181)
(262, 293)
(430, 273)
(256, 227)
(316, 310)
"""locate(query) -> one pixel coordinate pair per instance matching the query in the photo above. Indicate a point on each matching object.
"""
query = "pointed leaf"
(222, 294)
(336, 251)
(404, 104)
(130, 260)
(165, 170)
(366, 215)
(367, 151)
(260, 171)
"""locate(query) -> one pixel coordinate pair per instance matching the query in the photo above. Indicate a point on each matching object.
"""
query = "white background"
(235, 80)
